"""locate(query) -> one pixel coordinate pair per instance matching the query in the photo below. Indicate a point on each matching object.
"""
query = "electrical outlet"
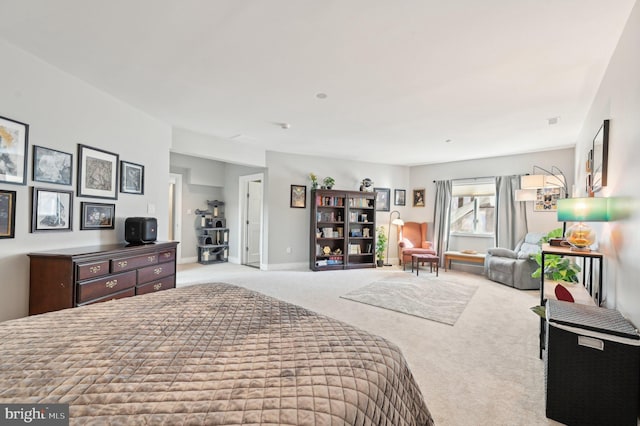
(288, 250)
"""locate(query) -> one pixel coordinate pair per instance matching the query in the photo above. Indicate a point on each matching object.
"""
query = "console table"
(67, 278)
(593, 289)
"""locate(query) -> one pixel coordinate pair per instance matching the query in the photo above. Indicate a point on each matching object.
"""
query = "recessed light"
(321, 95)
(448, 141)
(553, 120)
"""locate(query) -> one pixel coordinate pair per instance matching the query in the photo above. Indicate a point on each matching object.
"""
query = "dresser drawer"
(92, 270)
(166, 256)
(94, 289)
(134, 262)
(153, 273)
(161, 284)
(119, 295)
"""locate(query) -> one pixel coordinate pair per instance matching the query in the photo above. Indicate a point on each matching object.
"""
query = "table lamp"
(580, 235)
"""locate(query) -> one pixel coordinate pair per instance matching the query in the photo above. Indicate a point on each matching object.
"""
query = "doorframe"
(243, 188)
(176, 180)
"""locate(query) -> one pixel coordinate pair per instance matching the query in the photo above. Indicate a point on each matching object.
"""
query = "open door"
(252, 220)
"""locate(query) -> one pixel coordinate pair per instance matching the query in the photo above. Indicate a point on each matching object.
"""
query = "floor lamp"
(398, 222)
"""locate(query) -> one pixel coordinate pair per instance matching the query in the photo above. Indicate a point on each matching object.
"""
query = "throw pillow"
(563, 294)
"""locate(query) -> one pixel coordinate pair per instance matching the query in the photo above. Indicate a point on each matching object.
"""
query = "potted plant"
(314, 180)
(556, 267)
(381, 245)
(329, 182)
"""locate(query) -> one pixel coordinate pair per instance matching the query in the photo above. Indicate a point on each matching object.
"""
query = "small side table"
(416, 259)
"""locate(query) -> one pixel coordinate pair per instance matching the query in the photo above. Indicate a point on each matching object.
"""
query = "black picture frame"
(97, 216)
(97, 173)
(51, 210)
(131, 178)
(298, 198)
(7, 214)
(418, 197)
(383, 199)
(399, 197)
(14, 140)
(52, 166)
(600, 158)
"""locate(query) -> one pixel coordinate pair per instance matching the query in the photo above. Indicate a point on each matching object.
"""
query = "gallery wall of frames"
(100, 174)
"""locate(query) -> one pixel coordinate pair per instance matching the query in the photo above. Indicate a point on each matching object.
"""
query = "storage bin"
(592, 365)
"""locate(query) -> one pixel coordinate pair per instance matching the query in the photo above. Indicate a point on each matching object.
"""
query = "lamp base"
(580, 249)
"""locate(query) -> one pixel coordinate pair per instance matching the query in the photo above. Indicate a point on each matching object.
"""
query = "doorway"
(252, 208)
(175, 211)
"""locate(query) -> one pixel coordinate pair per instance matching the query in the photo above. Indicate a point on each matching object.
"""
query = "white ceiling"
(401, 77)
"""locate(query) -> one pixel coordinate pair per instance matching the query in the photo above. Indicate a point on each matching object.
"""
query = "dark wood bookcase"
(343, 225)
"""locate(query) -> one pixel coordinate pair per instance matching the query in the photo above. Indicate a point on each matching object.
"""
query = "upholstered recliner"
(514, 267)
(413, 240)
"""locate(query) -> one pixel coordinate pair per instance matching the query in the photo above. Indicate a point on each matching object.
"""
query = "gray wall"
(63, 111)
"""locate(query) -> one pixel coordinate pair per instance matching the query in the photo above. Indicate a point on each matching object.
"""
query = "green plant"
(329, 182)
(381, 243)
(314, 180)
(556, 267)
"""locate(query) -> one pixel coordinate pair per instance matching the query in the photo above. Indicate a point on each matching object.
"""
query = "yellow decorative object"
(580, 236)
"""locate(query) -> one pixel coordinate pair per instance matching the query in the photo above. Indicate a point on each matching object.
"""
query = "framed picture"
(399, 197)
(131, 178)
(298, 196)
(383, 199)
(7, 214)
(51, 210)
(52, 166)
(14, 138)
(547, 199)
(418, 198)
(600, 157)
(97, 216)
(97, 173)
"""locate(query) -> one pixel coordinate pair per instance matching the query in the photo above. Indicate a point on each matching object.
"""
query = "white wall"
(62, 112)
(423, 177)
(618, 99)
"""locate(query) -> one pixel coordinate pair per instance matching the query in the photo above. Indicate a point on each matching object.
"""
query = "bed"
(206, 354)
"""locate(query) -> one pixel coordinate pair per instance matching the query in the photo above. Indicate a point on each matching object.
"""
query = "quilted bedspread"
(212, 354)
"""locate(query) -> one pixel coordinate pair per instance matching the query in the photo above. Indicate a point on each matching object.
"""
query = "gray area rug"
(432, 298)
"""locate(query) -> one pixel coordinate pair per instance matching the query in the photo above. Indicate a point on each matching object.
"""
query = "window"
(473, 207)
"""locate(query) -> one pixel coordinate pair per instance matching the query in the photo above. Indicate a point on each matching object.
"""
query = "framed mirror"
(600, 156)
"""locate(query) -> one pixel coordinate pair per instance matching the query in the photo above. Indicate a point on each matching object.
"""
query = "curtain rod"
(479, 178)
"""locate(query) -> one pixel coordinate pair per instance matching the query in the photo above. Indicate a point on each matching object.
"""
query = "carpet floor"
(435, 299)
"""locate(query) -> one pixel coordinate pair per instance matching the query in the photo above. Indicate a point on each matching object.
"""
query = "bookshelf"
(342, 230)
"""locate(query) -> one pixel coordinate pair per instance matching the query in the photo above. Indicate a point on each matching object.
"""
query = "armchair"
(514, 267)
(413, 240)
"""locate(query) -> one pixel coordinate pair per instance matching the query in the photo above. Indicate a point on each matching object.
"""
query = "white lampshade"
(397, 222)
(532, 181)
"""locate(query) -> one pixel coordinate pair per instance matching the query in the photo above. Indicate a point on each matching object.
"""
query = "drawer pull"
(95, 269)
(157, 286)
(157, 271)
(166, 254)
(151, 259)
(111, 284)
(122, 264)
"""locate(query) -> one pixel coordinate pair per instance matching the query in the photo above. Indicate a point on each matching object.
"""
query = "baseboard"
(297, 266)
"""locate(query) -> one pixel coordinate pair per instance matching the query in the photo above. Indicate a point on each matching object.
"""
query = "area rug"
(432, 298)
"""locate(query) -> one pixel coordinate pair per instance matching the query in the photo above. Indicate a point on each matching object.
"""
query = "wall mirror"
(600, 155)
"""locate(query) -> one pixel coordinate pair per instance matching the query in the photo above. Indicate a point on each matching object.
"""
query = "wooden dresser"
(79, 276)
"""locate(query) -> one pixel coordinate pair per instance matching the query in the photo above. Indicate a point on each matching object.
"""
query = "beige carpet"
(484, 370)
(433, 298)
